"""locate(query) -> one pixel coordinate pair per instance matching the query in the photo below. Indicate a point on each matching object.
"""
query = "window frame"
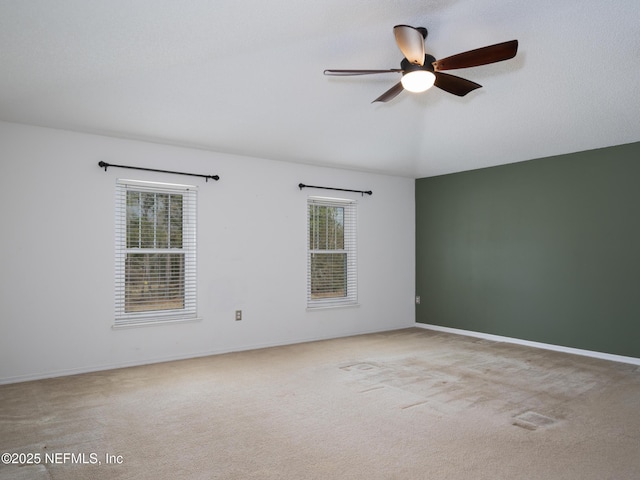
(349, 249)
(187, 248)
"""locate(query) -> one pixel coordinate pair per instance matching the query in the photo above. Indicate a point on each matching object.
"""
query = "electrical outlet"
(238, 315)
(418, 299)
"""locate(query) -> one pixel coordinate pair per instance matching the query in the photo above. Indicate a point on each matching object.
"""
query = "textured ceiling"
(246, 78)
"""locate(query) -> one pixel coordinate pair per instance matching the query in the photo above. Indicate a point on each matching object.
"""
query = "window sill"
(150, 323)
(331, 307)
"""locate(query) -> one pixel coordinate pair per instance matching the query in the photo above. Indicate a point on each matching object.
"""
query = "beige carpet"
(410, 404)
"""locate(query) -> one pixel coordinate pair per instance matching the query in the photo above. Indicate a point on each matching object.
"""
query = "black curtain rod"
(106, 165)
(368, 192)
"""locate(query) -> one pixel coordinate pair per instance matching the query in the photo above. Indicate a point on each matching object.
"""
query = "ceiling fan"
(420, 71)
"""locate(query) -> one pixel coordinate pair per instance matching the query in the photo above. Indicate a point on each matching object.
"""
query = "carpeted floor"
(409, 404)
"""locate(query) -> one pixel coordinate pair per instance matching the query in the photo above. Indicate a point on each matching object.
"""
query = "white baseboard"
(545, 346)
(185, 356)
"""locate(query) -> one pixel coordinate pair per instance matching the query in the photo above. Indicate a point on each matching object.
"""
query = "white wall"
(57, 249)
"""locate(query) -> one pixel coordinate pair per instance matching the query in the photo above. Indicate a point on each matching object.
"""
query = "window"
(331, 256)
(155, 252)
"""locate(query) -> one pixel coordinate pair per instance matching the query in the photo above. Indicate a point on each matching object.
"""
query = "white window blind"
(155, 271)
(331, 252)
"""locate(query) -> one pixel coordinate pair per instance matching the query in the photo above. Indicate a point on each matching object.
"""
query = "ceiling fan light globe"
(418, 80)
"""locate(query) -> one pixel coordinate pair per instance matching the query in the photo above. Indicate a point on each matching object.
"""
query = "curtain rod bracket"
(106, 165)
(362, 192)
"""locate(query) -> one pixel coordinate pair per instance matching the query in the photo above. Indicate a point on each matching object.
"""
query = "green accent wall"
(546, 250)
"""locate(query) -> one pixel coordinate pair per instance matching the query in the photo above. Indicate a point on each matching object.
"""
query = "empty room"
(330, 240)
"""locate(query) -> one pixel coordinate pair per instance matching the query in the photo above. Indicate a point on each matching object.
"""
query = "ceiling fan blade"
(456, 85)
(390, 94)
(410, 42)
(345, 73)
(479, 56)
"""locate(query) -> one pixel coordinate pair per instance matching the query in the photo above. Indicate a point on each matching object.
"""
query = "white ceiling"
(245, 77)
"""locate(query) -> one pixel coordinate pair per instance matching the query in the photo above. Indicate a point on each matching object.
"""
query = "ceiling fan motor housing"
(407, 66)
